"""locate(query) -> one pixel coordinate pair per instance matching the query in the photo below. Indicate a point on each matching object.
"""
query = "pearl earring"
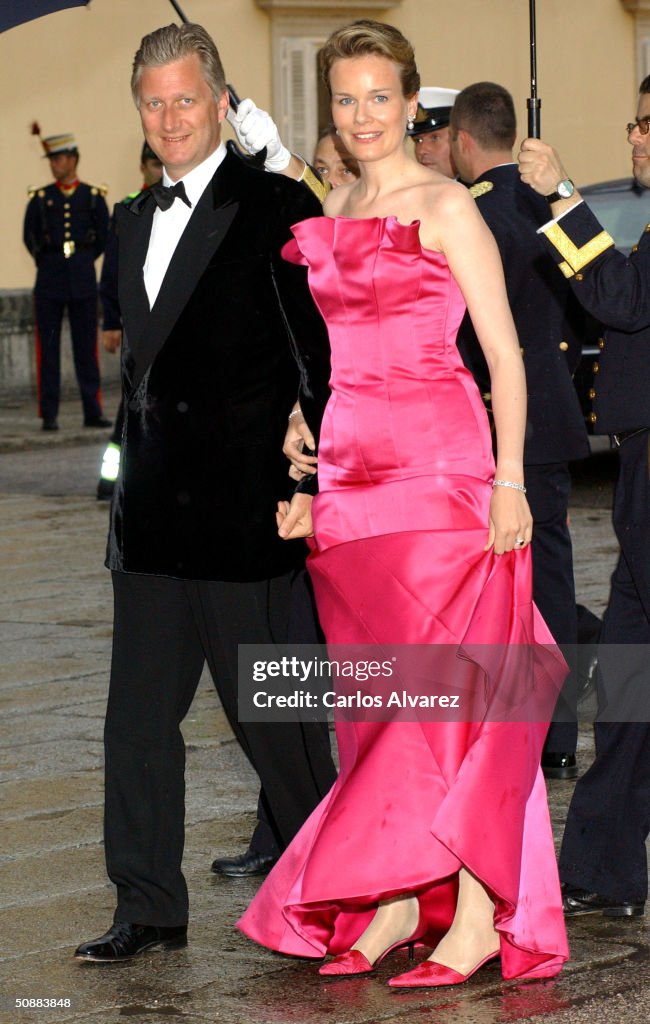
(410, 123)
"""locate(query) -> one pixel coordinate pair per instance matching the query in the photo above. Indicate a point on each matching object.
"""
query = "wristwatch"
(564, 190)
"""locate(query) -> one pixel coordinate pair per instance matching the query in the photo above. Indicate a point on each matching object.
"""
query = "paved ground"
(55, 621)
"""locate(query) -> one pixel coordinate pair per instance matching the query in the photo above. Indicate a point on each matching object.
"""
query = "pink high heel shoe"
(354, 962)
(429, 974)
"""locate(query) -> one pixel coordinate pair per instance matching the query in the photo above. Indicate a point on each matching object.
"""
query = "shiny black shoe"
(97, 421)
(577, 902)
(124, 941)
(559, 766)
(244, 866)
(50, 425)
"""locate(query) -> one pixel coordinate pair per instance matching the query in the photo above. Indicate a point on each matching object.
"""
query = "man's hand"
(256, 130)
(111, 340)
(540, 166)
(294, 519)
(297, 436)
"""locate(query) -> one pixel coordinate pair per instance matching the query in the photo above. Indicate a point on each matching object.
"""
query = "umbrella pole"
(533, 103)
(179, 12)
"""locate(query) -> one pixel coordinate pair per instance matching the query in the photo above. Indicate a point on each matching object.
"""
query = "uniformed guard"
(65, 231)
(483, 129)
(603, 860)
(430, 129)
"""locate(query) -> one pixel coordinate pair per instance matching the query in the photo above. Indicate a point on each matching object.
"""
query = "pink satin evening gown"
(405, 473)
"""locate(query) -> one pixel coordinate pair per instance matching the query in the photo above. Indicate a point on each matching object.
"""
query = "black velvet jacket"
(210, 375)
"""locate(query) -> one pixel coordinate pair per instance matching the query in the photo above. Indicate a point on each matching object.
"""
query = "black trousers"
(164, 631)
(548, 489)
(82, 314)
(604, 844)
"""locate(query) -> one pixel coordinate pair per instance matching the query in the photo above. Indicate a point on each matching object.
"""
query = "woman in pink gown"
(436, 832)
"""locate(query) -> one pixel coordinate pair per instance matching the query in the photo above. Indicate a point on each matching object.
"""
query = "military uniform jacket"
(555, 429)
(210, 374)
(56, 223)
(615, 289)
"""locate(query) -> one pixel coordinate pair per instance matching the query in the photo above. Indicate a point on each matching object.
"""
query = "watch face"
(565, 188)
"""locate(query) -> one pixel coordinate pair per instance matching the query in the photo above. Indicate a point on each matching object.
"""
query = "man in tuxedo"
(483, 129)
(220, 337)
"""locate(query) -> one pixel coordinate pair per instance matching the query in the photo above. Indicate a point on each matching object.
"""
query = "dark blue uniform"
(555, 429)
(604, 849)
(65, 231)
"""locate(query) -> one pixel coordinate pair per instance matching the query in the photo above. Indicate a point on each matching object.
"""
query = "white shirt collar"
(197, 179)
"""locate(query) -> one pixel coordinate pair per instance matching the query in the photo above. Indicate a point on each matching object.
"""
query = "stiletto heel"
(429, 974)
(354, 962)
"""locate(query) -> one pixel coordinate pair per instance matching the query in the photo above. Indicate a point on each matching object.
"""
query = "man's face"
(181, 118)
(641, 145)
(64, 167)
(432, 150)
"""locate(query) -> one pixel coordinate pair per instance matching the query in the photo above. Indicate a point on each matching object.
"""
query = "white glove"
(256, 130)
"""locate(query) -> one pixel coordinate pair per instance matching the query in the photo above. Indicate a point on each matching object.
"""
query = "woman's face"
(330, 163)
(368, 106)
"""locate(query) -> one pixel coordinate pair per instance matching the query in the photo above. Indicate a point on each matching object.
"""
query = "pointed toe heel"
(346, 965)
(429, 974)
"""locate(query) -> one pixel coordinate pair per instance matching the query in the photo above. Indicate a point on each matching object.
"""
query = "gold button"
(579, 277)
(592, 393)
(66, 206)
(67, 234)
(595, 368)
(564, 346)
(592, 417)
(647, 227)
(601, 343)
(635, 248)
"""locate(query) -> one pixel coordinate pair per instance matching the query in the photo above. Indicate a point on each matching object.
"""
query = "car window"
(623, 214)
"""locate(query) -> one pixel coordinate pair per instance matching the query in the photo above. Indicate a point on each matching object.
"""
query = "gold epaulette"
(315, 184)
(576, 257)
(101, 190)
(34, 190)
(481, 189)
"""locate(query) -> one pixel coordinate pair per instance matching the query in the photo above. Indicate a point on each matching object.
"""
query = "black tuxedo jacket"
(210, 374)
(538, 297)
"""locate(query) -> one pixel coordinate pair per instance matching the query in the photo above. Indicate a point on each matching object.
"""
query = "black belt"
(624, 435)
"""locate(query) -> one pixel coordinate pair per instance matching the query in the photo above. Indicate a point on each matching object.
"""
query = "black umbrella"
(15, 12)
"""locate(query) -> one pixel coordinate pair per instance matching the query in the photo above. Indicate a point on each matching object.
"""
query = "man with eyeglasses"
(603, 863)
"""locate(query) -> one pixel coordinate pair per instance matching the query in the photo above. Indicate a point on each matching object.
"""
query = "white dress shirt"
(168, 225)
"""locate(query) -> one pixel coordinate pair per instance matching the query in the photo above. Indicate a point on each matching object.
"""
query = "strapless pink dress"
(405, 472)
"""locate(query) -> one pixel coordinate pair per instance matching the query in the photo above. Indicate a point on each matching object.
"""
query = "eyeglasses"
(643, 124)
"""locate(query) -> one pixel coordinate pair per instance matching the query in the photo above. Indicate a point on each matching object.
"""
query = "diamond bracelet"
(509, 483)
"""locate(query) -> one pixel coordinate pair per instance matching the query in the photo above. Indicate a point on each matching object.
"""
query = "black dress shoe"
(576, 902)
(249, 863)
(124, 941)
(97, 421)
(559, 766)
(50, 425)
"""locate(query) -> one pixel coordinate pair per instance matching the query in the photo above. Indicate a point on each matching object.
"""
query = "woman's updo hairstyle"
(371, 37)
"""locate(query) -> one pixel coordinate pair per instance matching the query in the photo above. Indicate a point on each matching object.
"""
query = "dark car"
(623, 208)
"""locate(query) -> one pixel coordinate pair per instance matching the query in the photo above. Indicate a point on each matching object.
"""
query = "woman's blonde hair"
(371, 37)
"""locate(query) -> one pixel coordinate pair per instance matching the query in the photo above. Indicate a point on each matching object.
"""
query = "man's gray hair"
(172, 43)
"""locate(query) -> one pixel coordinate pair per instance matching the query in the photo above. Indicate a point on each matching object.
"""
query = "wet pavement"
(55, 622)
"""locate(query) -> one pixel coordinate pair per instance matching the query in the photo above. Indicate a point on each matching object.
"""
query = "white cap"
(433, 96)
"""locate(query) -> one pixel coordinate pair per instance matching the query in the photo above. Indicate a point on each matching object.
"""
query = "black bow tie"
(166, 194)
